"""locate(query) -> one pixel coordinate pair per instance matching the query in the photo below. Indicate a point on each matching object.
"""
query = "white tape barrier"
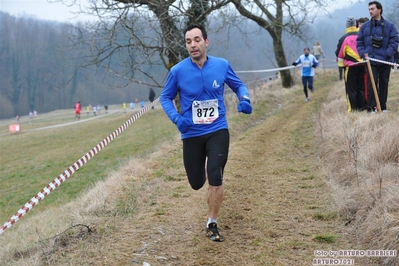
(276, 69)
(384, 62)
(357, 63)
(375, 60)
(265, 70)
(72, 169)
(290, 67)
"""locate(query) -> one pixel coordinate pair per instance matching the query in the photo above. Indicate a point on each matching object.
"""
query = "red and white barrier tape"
(72, 169)
(384, 62)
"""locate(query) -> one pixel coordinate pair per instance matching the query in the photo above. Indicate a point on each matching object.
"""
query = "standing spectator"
(354, 73)
(106, 107)
(341, 67)
(318, 51)
(124, 107)
(359, 23)
(379, 39)
(396, 58)
(78, 107)
(94, 110)
(132, 105)
(99, 109)
(309, 63)
(87, 110)
(151, 96)
(200, 80)
(142, 104)
(30, 117)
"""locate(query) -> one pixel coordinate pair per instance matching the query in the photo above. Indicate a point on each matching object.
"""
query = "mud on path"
(277, 208)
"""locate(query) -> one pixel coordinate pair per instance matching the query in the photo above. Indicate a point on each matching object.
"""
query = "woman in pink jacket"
(354, 72)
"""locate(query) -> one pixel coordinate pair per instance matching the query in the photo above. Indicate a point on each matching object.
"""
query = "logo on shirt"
(215, 84)
(196, 104)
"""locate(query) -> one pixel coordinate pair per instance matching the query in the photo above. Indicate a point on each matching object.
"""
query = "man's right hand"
(295, 63)
(183, 124)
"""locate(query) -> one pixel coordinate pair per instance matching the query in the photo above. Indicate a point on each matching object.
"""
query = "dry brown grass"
(360, 156)
(278, 208)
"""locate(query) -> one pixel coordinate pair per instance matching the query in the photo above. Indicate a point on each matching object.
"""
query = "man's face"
(195, 44)
(374, 12)
(306, 51)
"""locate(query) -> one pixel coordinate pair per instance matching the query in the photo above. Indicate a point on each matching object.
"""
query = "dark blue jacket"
(389, 44)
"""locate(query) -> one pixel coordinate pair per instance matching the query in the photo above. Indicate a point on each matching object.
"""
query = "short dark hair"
(377, 4)
(361, 20)
(197, 26)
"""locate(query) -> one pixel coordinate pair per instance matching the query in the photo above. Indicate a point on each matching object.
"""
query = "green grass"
(326, 238)
(32, 159)
(324, 216)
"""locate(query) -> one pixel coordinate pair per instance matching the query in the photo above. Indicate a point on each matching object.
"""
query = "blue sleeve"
(235, 83)
(392, 42)
(167, 96)
(360, 42)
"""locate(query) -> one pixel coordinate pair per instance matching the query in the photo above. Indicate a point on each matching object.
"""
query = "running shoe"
(213, 233)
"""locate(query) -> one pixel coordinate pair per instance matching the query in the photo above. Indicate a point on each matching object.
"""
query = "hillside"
(278, 209)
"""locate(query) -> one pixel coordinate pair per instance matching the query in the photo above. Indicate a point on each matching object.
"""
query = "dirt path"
(275, 207)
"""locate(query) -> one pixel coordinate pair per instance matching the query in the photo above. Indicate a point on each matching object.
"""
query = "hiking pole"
(373, 83)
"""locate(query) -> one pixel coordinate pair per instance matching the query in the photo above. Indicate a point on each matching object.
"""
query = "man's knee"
(216, 182)
(197, 186)
(197, 183)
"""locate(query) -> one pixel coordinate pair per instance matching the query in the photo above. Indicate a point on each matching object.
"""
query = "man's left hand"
(244, 106)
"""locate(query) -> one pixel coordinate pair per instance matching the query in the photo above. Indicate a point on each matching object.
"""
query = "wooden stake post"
(377, 99)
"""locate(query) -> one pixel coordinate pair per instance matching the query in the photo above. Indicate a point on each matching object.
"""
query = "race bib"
(306, 63)
(205, 112)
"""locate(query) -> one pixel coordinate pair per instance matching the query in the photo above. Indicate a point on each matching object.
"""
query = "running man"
(309, 63)
(200, 80)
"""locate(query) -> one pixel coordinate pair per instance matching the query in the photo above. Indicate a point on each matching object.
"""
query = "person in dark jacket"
(379, 39)
(151, 96)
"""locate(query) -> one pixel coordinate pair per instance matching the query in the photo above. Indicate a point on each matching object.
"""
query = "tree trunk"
(286, 78)
(274, 26)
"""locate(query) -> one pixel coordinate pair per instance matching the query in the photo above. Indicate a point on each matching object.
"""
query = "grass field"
(35, 157)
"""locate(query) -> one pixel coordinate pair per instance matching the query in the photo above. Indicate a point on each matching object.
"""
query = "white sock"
(211, 220)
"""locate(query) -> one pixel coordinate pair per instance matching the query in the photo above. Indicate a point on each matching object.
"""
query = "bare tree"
(392, 13)
(137, 40)
(132, 36)
(278, 16)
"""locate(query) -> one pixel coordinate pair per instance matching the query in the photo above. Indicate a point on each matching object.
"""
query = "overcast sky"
(42, 9)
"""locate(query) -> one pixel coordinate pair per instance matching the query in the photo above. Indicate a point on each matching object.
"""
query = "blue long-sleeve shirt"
(307, 62)
(198, 85)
